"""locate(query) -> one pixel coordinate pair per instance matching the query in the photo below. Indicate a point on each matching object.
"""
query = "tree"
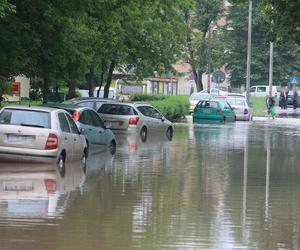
(199, 43)
(235, 41)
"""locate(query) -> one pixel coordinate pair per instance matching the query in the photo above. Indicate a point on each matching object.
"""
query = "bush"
(174, 108)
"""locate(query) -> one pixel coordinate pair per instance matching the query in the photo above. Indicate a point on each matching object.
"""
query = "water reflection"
(234, 186)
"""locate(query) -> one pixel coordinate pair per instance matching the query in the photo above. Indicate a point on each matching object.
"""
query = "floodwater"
(232, 186)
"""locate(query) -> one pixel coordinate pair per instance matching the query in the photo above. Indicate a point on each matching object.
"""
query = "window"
(86, 104)
(236, 101)
(252, 89)
(150, 112)
(25, 118)
(96, 119)
(74, 128)
(98, 105)
(63, 123)
(261, 89)
(86, 118)
(117, 109)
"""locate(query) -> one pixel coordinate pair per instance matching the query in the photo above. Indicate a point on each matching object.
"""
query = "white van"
(262, 90)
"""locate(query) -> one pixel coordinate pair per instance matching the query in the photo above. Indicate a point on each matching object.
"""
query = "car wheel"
(61, 166)
(83, 159)
(112, 147)
(170, 133)
(143, 134)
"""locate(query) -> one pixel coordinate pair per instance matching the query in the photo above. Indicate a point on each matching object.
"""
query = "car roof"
(79, 99)
(33, 108)
(68, 107)
(236, 95)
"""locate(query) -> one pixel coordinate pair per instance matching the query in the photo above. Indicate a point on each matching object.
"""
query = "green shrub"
(174, 108)
(147, 97)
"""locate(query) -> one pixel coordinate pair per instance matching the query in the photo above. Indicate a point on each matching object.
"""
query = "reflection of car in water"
(36, 194)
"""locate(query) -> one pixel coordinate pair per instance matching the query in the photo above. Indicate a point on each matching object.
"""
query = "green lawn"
(259, 105)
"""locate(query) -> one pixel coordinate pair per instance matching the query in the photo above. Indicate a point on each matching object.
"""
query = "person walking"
(270, 103)
(295, 98)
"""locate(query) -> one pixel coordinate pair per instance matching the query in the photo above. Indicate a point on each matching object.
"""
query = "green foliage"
(147, 97)
(174, 108)
(235, 43)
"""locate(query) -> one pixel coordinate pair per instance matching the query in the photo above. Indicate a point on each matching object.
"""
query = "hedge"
(174, 108)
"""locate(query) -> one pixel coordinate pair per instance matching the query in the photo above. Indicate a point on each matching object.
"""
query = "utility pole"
(249, 50)
(271, 68)
(209, 59)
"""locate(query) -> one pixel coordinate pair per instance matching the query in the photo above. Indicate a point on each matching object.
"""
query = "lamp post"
(271, 68)
(249, 50)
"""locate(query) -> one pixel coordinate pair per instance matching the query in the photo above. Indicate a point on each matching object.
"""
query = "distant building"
(20, 89)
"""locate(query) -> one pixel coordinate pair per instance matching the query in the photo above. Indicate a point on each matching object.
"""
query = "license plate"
(19, 138)
(207, 111)
(17, 186)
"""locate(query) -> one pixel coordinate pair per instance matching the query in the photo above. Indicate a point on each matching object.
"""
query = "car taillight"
(50, 185)
(245, 111)
(76, 116)
(219, 111)
(195, 110)
(52, 142)
(133, 120)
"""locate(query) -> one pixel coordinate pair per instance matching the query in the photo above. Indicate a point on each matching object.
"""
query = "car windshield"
(197, 97)
(116, 109)
(28, 118)
(236, 101)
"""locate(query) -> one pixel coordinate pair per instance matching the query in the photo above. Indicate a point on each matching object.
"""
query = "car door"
(77, 139)
(87, 123)
(154, 119)
(228, 111)
(67, 139)
(101, 132)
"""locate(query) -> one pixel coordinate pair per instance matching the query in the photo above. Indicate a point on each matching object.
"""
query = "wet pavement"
(232, 186)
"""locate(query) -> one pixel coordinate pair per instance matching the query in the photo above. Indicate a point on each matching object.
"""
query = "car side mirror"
(82, 131)
(163, 119)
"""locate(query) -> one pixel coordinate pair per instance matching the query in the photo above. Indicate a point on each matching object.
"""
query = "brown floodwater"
(232, 186)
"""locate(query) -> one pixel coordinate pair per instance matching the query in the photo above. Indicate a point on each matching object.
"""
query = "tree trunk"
(91, 81)
(101, 78)
(72, 90)
(200, 83)
(109, 79)
(45, 90)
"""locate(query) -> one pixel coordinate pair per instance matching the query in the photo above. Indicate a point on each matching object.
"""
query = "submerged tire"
(112, 147)
(143, 134)
(169, 133)
(61, 166)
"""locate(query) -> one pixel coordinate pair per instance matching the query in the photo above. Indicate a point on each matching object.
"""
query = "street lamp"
(249, 50)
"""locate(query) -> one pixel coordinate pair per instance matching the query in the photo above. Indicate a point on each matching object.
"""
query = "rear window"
(237, 102)
(25, 118)
(197, 97)
(117, 109)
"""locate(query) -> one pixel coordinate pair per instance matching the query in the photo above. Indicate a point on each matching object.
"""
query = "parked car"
(91, 102)
(263, 90)
(87, 119)
(242, 109)
(215, 109)
(196, 97)
(139, 118)
(40, 134)
(215, 92)
(290, 99)
(237, 95)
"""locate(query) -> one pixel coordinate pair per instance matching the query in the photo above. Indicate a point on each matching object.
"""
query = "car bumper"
(242, 117)
(27, 155)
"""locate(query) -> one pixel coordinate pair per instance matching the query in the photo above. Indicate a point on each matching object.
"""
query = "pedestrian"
(286, 94)
(270, 103)
(282, 99)
(295, 98)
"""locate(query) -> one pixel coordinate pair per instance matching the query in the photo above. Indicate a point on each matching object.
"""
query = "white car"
(215, 92)
(196, 97)
(40, 134)
(243, 110)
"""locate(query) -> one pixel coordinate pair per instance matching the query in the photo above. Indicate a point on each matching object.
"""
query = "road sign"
(294, 80)
(218, 77)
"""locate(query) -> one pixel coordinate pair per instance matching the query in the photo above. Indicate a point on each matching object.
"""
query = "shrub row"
(174, 108)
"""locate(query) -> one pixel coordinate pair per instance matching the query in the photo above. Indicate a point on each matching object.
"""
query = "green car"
(213, 110)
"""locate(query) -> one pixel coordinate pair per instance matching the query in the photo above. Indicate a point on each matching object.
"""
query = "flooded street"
(232, 186)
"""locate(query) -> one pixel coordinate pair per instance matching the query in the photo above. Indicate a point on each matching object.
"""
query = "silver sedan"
(138, 118)
(40, 134)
